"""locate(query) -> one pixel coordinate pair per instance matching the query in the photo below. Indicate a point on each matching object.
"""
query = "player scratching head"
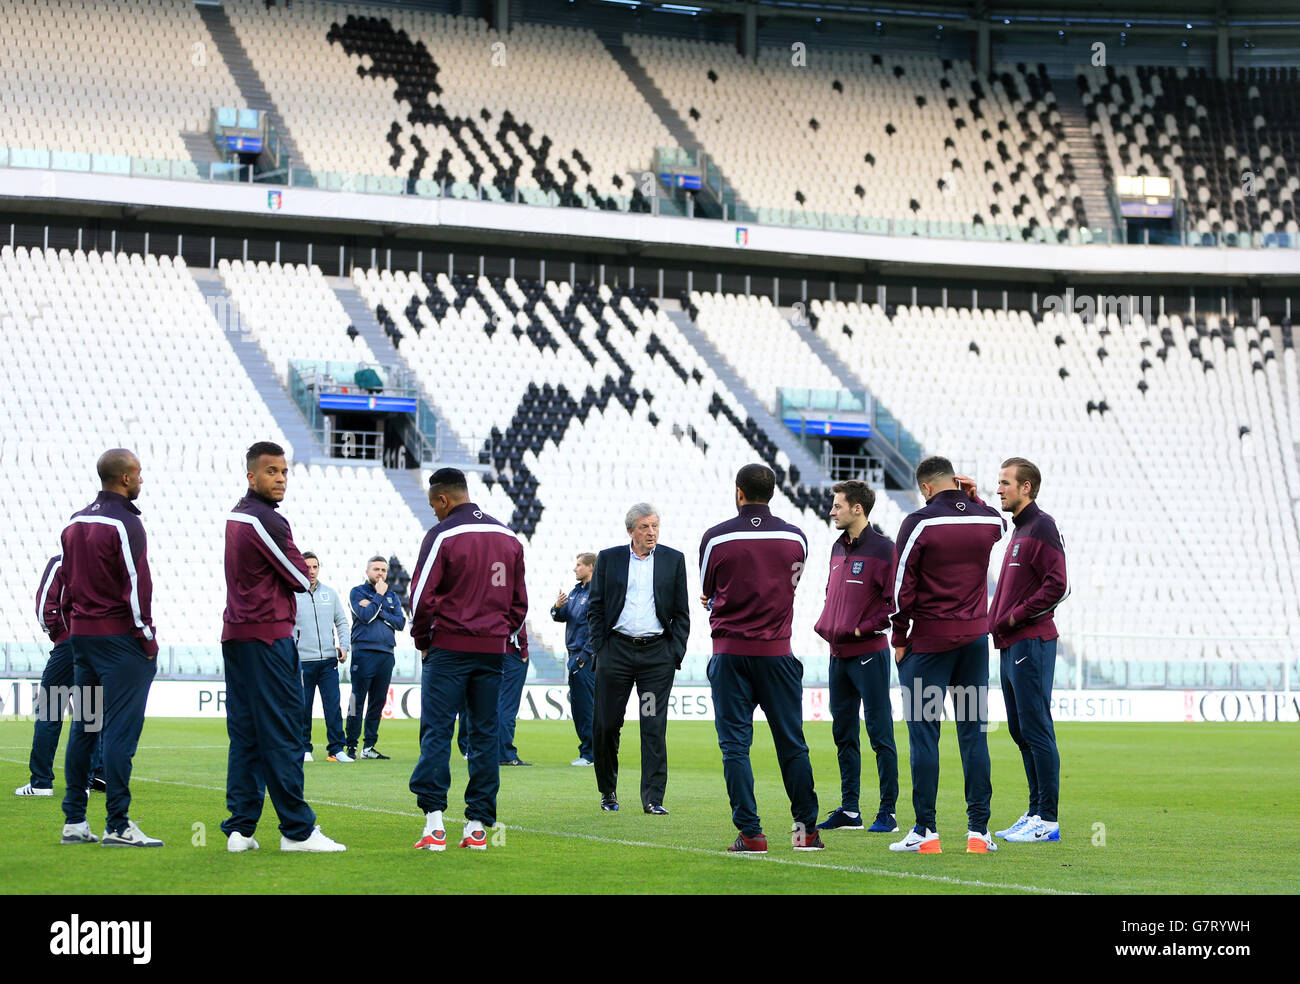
(935, 475)
(268, 471)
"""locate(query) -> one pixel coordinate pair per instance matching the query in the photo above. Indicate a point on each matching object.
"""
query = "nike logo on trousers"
(1021, 660)
(867, 660)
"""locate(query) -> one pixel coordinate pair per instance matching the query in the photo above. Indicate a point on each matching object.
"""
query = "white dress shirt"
(638, 616)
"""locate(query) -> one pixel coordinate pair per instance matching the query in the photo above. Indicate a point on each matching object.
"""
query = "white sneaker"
(341, 756)
(434, 837)
(78, 833)
(475, 837)
(1019, 825)
(927, 843)
(30, 790)
(237, 843)
(306, 757)
(316, 843)
(580, 761)
(1039, 832)
(133, 836)
(980, 843)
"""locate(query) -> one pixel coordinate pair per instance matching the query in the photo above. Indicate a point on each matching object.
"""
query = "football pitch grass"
(1145, 808)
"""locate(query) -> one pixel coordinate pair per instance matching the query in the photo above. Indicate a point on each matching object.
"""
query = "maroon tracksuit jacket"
(107, 588)
(49, 602)
(467, 592)
(941, 593)
(264, 572)
(1032, 582)
(859, 595)
(749, 567)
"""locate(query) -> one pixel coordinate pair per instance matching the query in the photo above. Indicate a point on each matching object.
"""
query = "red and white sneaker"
(434, 840)
(475, 839)
(807, 840)
(435, 833)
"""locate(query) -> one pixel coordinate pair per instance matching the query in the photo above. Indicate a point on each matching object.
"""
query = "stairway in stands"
(202, 150)
(452, 450)
(245, 75)
(899, 469)
(810, 470)
(1083, 157)
(654, 97)
(306, 448)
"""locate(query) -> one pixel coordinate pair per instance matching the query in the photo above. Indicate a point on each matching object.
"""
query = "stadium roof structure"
(1264, 17)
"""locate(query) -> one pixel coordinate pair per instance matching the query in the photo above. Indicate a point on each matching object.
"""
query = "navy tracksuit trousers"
(925, 679)
(514, 671)
(372, 672)
(449, 680)
(51, 705)
(582, 700)
(322, 674)
(774, 683)
(1028, 668)
(862, 682)
(116, 667)
(264, 722)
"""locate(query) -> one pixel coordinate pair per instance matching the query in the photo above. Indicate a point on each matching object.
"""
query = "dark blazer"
(609, 592)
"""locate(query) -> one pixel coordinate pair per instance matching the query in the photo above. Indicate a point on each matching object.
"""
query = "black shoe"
(352, 752)
(515, 762)
(372, 753)
(98, 785)
(656, 809)
(609, 802)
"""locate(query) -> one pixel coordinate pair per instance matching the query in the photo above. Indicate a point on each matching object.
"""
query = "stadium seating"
(1206, 134)
(109, 350)
(292, 313)
(884, 137)
(474, 107)
(760, 344)
(122, 78)
(1167, 450)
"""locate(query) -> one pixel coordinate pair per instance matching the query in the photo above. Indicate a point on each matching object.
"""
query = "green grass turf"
(1187, 808)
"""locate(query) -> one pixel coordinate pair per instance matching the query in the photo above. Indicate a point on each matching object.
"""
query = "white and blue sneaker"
(1040, 832)
(130, 836)
(1026, 819)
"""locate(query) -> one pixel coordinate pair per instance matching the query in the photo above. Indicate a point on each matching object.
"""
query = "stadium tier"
(579, 401)
(881, 136)
(436, 98)
(129, 78)
(1231, 145)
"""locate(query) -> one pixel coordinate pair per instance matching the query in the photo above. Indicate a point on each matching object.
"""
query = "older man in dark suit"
(639, 621)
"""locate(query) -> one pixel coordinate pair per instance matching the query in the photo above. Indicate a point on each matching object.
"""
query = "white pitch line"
(680, 848)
